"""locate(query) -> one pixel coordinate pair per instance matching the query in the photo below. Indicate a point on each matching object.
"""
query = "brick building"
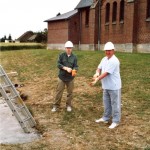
(94, 22)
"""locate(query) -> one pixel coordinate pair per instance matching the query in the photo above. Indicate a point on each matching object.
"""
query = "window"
(75, 26)
(148, 10)
(121, 11)
(114, 15)
(107, 13)
(87, 17)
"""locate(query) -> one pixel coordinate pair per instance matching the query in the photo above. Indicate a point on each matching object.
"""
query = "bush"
(20, 47)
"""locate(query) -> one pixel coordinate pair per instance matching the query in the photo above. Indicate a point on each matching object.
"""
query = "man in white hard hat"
(108, 72)
(67, 64)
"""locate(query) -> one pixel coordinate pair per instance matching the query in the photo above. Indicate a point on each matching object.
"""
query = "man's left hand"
(95, 81)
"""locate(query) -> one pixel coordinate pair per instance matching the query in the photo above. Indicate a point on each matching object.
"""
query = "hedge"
(20, 47)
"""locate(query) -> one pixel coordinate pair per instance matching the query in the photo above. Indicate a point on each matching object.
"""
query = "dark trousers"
(59, 92)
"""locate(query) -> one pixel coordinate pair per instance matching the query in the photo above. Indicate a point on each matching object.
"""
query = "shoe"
(69, 109)
(101, 120)
(113, 125)
(54, 109)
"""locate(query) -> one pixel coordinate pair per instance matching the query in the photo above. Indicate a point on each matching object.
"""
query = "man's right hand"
(96, 75)
(69, 70)
(95, 81)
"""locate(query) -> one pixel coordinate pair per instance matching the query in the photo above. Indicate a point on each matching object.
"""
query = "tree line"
(41, 37)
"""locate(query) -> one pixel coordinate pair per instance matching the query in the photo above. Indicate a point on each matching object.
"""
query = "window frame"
(114, 13)
(121, 14)
(107, 13)
(87, 17)
(148, 11)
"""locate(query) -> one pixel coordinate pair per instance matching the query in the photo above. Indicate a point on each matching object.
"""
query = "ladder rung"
(20, 107)
(15, 102)
(26, 119)
(12, 97)
(2, 75)
(5, 86)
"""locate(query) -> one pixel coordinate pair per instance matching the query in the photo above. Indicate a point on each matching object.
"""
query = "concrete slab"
(10, 130)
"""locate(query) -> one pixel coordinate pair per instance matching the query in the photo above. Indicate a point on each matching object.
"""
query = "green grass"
(77, 130)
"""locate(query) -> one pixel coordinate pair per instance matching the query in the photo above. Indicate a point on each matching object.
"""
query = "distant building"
(24, 37)
(29, 36)
(32, 38)
(94, 22)
(6, 41)
(63, 27)
(9, 41)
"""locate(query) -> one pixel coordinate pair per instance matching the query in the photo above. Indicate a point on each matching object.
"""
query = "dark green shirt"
(71, 62)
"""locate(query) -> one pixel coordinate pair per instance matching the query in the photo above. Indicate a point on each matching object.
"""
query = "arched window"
(121, 11)
(148, 10)
(87, 17)
(114, 15)
(107, 13)
(75, 26)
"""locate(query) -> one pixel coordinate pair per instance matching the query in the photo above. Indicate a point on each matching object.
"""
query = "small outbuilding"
(63, 28)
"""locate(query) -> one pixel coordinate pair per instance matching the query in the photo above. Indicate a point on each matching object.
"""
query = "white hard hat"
(68, 44)
(109, 46)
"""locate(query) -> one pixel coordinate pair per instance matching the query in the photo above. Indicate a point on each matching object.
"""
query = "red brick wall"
(85, 38)
(62, 31)
(57, 32)
(74, 33)
(88, 32)
(143, 26)
(118, 32)
(135, 29)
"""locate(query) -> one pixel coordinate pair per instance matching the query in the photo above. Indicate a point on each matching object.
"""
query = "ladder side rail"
(15, 92)
(2, 72)
(25, 110)
(31, 120)
(27, 113)
(7, 81)
(15, 112)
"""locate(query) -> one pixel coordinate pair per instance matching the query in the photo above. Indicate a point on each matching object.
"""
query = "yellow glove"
(74, 72)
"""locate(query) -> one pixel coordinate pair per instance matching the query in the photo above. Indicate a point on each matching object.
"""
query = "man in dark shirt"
(67, 64)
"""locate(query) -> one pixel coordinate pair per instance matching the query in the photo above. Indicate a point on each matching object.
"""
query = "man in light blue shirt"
(108, 72)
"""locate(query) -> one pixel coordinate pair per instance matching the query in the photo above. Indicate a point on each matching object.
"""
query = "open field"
(77, 130)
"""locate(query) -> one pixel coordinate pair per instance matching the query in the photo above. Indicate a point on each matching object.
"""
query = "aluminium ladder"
(15, 102)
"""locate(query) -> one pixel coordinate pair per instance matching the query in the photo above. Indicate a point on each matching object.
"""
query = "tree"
(3, 39)
(41, 36)
(9, 37)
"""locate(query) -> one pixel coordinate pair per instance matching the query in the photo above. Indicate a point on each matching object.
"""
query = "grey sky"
(19, 16)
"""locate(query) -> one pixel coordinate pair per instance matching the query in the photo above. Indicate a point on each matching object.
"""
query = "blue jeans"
(112, 105)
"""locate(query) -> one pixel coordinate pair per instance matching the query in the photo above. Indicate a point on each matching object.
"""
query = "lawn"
(77, 130)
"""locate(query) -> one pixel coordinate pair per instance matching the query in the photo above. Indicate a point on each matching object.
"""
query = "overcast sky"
(19, 16)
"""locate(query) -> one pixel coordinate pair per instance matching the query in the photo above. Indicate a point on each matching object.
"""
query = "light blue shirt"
(112, 66)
